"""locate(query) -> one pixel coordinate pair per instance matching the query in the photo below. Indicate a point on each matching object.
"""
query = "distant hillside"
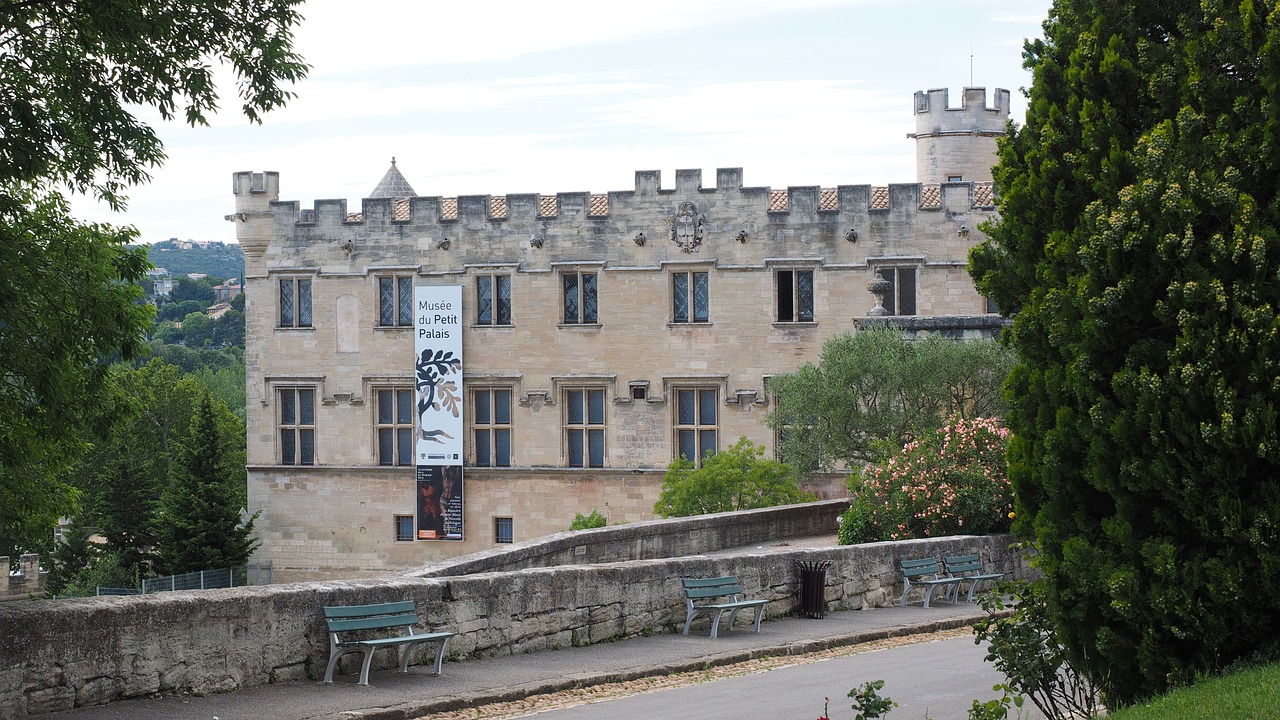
(180, 257)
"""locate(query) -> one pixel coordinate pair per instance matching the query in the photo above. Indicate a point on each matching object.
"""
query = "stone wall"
(26, 582)
(55, 655)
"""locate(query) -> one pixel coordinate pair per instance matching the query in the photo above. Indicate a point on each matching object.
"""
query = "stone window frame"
(586, 425)
(295, 429)
(891, 269)
(399, 521)
(689, 293)
(295, 283)
(396, 424)
(696, 424)
(581, 318)
(493, 427)
(790, 267)
(496, 316)
(504, 530)
(399, 313)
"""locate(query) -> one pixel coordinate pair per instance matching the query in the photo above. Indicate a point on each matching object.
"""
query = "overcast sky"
(498, 96)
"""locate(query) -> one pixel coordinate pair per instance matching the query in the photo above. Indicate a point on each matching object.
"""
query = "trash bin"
(813, 587)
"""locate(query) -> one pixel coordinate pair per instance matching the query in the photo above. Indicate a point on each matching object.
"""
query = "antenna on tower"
(970, 65)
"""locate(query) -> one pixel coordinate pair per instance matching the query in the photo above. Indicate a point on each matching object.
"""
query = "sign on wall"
(438, 379)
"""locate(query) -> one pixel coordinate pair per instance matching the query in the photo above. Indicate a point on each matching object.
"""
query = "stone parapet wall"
(55, 655)
(26, 582)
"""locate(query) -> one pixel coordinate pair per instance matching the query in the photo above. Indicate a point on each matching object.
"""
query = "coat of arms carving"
(688, 228)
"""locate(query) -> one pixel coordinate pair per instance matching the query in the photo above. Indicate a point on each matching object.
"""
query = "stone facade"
(24, 584)
(701, 294)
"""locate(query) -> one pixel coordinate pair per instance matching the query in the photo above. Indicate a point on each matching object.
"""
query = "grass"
(1245, 695)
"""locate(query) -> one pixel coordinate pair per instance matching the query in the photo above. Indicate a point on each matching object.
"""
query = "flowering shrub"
(951, 482)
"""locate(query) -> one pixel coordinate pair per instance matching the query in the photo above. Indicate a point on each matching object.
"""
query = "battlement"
(935, 116)
(27, 581)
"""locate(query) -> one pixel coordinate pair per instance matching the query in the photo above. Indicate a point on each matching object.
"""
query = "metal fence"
(200, 580)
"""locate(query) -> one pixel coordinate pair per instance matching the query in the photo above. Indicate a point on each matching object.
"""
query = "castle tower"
(254, 194)
(958, 144)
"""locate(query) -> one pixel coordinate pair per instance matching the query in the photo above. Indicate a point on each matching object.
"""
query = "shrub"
(584, 522)
(950, 482)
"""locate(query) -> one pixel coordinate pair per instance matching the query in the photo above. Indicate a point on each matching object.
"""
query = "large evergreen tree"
(1137, 246)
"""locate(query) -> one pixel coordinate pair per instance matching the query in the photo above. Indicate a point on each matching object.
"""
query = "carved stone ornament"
(688, 228)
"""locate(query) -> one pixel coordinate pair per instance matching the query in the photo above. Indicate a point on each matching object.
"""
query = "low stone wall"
(55, 655)
(674, 537)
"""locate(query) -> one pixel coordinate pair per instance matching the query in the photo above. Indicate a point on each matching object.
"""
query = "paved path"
(395, 696)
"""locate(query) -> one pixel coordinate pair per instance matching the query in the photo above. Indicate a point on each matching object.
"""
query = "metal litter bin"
(813, 587)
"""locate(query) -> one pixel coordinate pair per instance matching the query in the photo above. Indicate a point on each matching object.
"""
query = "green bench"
(925, 573)
(698, 590)
(968, 568)
(382, 616)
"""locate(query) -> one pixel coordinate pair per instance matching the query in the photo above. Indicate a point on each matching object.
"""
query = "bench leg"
(715, 624)
(439, 654)
(364, 667)
(689, 619)
(333, 662)
(404, 656)
(759, 616)
(906, 588)
(928, 593)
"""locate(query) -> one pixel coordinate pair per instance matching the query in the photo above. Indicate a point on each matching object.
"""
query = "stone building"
(603, 334)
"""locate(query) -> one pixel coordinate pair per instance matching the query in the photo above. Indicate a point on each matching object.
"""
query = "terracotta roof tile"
(353, 217)
(879, 198)
(930, 196)
(449, 208)
(498, 206)
(548, 206)
(400, 209)
(599, 205)
(778, 201)
(984, 195)
(828, 199)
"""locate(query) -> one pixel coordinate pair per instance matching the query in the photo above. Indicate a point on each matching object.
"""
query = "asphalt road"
(938, 680)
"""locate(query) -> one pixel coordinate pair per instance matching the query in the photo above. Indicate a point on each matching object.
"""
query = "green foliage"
(1022, 644)
(583, 522)
(737, 478)
(867, 703)
(172, 311)
(223, 260)
(1246, 694)
(874, 391)
(952, 481)
(1139, 244)
(187, 290)
(200, 527)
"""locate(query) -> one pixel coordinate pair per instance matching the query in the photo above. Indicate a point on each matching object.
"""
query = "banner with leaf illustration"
(438, 380)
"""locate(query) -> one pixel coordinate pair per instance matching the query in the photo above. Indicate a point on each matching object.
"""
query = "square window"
(296, 425)
(901, 297)
(493, 299)
(295, 302)
(690, 297)
(395, 301)
(584, 427)
(394, 426)
(795, 295)
(491, 427)
(404, 528)
(503, 530)
(580, 298)
(696, 423)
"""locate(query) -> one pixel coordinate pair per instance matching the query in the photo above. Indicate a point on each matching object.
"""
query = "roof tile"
(930, 196)
(548, 206)
(599, 205)
(498, 206)
(879, 198)
(449, 208)
(778, 201)
(828, 199)
(984, 195)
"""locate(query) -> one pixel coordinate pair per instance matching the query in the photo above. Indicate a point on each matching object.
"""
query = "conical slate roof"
(393, 185)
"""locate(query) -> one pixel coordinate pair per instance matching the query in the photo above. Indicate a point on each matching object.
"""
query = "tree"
(586, 522)
(201, 527)
(874, 391)
(1138, 245)
(188, 290)
(738, 478)
(178, 310)
(71, 74)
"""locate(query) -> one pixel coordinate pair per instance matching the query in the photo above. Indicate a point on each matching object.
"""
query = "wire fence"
(257, 574)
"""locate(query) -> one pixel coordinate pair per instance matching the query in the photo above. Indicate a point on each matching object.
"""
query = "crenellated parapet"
(26, 582)
(958, 143)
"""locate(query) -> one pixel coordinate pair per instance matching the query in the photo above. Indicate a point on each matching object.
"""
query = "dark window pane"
(688, 446)
(889, 296)
(288, 411)
(484, 300)
(502, 448)
(685, 408)
(306, 407)
(404, 446)
(596, 440)
(504, 300)
(680, 297)
(575, 447)
(385, 407)
(482, 448)
(907, 291)
(571, 299)
(701, 298)
(386, 446)
(575, 410)
(595, 413)
(404, 528)
(404, 407)
(786, 297)
(288, 447)
(502, 407)
(307, 447)
(706, 407)
(707, 443)
(405, 316)
(589, 309)
(286, 303)
(503, 530)
(482, 407)
(804, 295)
(304, 303)
(386, 301)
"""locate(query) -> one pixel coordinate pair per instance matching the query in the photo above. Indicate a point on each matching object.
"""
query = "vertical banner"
(438, 379)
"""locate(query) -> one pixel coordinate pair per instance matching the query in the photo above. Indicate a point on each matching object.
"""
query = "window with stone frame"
(503, 530)
(295, 302)
(584, 427)
(296, 425)
(690, 297)
(491, 426)
(404, 528)
(393, 425)
(696, 423)
(493, 299)
(794, 288)
(901, 297)
(395, 301)
(581, 302)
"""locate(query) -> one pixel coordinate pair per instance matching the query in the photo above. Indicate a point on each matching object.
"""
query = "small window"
(493, 300)
(503, 530)
(955, 178)
(695, 423)
(690, 297)
(395, 301)
(491, 427)
(394, 426)
(404, 528)
(584, 427)
(795, 295)
(295, 302)
(580, 298)
(901, 298)
(296, 422)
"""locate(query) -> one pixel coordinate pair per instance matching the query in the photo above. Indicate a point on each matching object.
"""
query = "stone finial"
(878, 287)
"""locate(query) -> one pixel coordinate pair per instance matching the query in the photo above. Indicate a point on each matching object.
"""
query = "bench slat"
(391, 608)
(713, 592)
(372, 623)
(709, 582)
